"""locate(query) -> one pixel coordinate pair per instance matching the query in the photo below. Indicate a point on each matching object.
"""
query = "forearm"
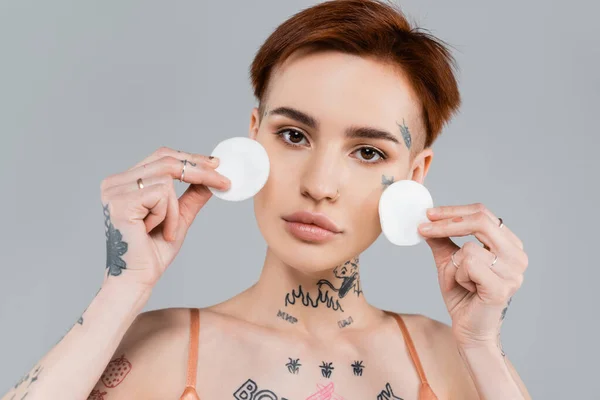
(491, 373)
(71, 369)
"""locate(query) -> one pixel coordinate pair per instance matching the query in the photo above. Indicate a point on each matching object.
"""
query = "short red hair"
(368, 28)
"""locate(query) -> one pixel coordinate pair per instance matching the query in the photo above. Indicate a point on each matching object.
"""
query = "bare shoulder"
(151, 359)
(438, 352)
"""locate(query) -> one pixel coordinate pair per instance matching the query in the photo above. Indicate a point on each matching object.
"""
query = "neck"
(324, 302)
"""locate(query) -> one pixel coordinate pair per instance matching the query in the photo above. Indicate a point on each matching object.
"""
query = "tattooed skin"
(405, 134)
(293, 365)
(322, 298)
(325, 392)
(326, 369)
(357, 368)
(115, 247)
(249, 391)
(386, 181)
(345, 322)
(34, 377)
(502, 319)
(188, 162)
(97, 395)
(387, 393)
(287, 317)
(348, 272)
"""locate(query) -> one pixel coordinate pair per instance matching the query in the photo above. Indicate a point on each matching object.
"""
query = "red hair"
(368, 28)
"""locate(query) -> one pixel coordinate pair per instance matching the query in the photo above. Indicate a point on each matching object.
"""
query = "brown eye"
(370, 155)
(367, 153)
(295, 136)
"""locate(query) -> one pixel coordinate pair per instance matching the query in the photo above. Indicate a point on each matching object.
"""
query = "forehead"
(339, 87)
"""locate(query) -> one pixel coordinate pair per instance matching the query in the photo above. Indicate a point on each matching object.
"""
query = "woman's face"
(314, 100)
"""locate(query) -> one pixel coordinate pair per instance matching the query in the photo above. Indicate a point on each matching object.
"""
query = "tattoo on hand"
(293, 365)
(405, 134)
(96, 395)
(115, 247)
(193, 164)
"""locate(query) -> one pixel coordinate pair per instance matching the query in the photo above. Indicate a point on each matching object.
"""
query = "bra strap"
(193, 347)
(411, 348)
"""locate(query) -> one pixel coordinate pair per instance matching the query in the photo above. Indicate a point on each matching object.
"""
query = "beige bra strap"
(411, 347)
(193, 347)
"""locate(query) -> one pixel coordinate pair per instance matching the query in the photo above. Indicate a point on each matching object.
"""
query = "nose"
(321, 177)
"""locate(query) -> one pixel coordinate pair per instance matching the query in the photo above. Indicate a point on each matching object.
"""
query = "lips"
(318, 219)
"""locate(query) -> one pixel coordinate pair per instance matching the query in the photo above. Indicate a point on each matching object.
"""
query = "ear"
(420, 165)
(254, 124)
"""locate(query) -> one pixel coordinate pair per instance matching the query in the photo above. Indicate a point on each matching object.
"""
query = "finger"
(182, 155)
(190, 203)
(194, 173)
(471, 268)
(477, 224)
(149, 202)
(444, 212)
(153, 219)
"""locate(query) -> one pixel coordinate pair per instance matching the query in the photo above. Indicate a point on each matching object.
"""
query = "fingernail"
(213, 160)
(432, 211)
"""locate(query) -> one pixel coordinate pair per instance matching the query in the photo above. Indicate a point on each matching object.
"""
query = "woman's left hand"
(476, 292)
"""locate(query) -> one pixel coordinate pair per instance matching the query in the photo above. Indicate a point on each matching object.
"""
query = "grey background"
(89, 89)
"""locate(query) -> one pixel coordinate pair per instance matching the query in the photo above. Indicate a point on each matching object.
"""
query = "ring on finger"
(183, 170)
(454, 262)
(500, 225)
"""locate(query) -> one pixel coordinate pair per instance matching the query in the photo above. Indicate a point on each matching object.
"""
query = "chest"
(253, 367)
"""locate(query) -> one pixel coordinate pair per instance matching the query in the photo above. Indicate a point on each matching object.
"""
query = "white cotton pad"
(402, 208)
(246, 163)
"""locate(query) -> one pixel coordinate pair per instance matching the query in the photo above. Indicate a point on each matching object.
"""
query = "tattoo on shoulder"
(405, 134)
(115, 246)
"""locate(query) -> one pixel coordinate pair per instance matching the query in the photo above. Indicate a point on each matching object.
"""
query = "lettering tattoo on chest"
(115, 246)
(250, 391)
(345, 322)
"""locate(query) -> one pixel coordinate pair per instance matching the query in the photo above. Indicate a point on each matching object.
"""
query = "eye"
(369, 153)
(291, 137)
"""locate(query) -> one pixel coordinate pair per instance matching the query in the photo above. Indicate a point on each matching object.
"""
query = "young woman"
(351, 99)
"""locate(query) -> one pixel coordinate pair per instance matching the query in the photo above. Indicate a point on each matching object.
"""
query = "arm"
(86, 349)
(493, 375)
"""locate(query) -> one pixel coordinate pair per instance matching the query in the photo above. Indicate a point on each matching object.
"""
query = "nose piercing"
(336, 196)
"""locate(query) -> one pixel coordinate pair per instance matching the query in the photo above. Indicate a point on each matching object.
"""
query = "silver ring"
(501, 223)
(183, 170)
(140, 183)
(495, 259)
(452, 257)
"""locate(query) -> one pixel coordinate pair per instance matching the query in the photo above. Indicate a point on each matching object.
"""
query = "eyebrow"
(351, 132)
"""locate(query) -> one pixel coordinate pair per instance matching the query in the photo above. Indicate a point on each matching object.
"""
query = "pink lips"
(311, 226)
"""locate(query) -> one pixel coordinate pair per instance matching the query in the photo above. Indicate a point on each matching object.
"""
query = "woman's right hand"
(145, 228)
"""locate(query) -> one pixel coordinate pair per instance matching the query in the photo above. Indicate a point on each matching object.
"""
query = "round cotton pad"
(402, 208)
(246, 163)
